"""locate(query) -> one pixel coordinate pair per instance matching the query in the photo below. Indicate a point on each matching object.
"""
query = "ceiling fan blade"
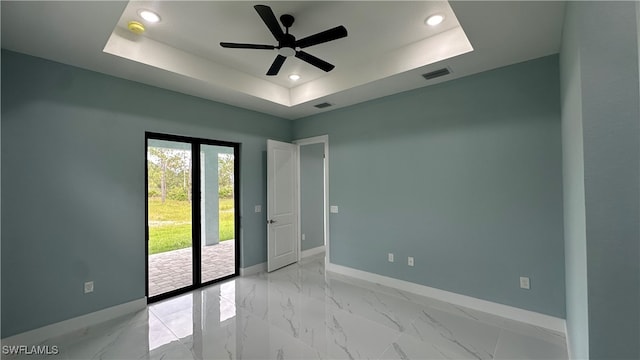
(277, 64)
(246, 46)
(322, 37)
(270, 20)
(319, 63)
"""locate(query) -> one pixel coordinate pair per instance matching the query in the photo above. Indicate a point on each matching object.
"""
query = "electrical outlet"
(304, 237)
(88, 287)
(524, 283)
(390, 257)
(410, 261)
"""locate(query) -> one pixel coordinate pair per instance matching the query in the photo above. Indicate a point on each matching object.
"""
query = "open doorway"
(313, 180)
(191, 213)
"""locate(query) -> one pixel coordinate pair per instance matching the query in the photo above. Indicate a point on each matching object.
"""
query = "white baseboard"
(262, 267)
(37, 336)
(314, 251)
(252, 270)
(506, 311)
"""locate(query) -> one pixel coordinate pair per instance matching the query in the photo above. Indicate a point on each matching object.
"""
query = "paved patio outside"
(174, 269)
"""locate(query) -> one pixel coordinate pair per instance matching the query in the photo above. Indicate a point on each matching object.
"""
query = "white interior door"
(282, 204)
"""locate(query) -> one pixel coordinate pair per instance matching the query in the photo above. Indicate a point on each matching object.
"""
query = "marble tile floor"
(173, 269)
(301, 312)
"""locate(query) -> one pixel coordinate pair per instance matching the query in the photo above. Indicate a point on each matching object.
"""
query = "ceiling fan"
(287, 43)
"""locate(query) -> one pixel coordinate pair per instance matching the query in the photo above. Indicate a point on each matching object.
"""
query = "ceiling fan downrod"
(287, 44)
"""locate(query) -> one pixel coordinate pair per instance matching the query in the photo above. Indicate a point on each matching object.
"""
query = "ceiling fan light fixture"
(286, 51)
(434, 20)
(294, 77)
(149, 15)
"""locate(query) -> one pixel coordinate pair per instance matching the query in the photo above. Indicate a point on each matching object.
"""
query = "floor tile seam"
(429, 341)
(232, 302)
(300, 340)
(365, 319)
(415, 337)
(495, 349)
(157, 316)
(395, 341)
(114, 332)
(99, 330)
(433, 342)
(373, 287)
(536, 337)
(173, 333)
(396, 313)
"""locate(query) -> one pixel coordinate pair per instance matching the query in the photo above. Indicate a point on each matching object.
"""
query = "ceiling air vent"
(436, 73)
(322, 105)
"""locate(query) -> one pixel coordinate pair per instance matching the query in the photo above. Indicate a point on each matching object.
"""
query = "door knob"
(271, 221)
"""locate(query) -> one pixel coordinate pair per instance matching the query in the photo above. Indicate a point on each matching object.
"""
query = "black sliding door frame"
(196, 236)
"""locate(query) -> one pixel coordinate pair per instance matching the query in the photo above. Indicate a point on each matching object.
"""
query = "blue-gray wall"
(312, 195)
(466, 176)
(73, 184)
(601, 132)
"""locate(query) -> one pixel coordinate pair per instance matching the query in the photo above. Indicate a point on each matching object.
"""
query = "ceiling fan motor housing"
(287, 45)
(287, 20)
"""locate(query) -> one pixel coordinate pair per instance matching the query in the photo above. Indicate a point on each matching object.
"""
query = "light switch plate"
(333, 209)
(258, 208)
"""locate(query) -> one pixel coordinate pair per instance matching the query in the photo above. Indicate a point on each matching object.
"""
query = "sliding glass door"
(192, 222)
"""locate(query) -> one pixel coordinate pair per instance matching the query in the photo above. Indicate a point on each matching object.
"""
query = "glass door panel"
(169, 216)
(217, 203)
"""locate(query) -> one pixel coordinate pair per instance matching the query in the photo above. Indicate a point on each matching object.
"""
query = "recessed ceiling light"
(294, 77)
(434, 20)
(149, 15)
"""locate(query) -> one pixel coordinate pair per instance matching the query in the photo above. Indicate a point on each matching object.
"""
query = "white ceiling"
(387, 50)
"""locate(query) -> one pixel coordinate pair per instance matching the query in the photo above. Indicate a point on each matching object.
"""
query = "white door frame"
(323, 139)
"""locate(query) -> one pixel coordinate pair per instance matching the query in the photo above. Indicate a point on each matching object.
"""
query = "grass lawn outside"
(170, 224)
